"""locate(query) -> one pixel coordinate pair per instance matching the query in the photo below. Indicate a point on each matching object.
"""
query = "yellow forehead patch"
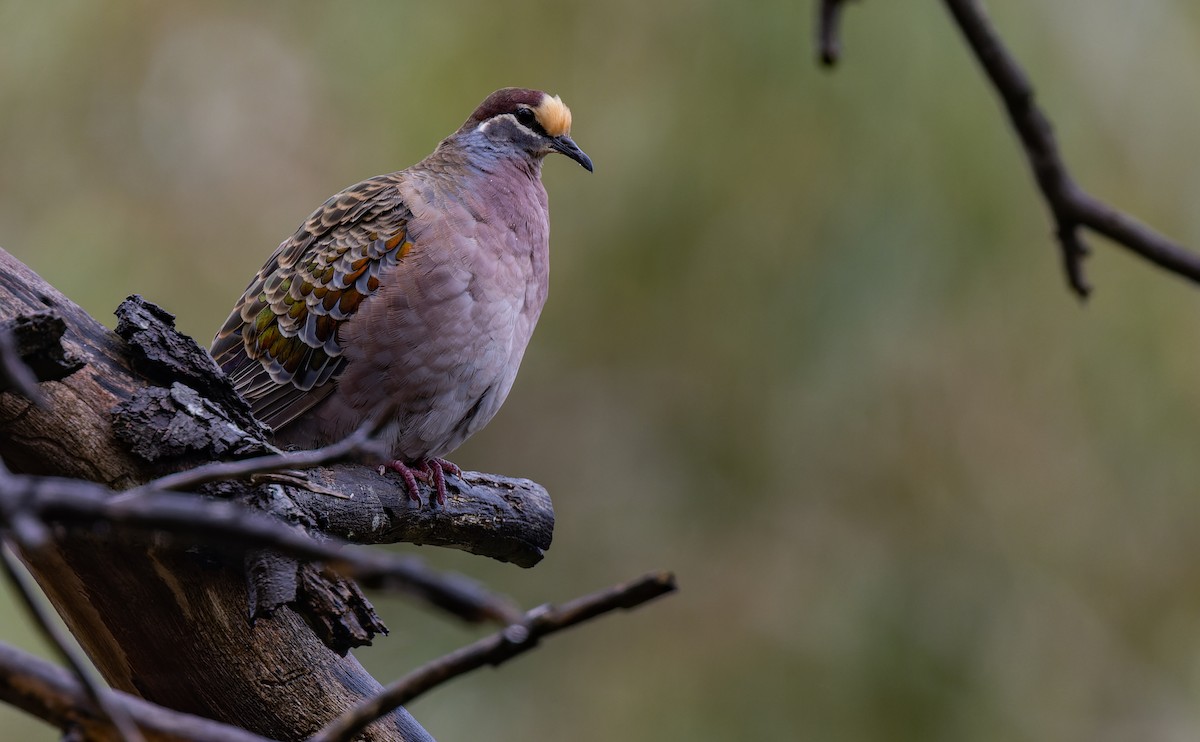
(554, 116)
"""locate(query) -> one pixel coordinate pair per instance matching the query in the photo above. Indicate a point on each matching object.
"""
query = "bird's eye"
(526, 116)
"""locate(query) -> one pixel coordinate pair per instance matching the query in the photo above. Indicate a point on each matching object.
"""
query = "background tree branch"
(1071, 207)
(829, 40)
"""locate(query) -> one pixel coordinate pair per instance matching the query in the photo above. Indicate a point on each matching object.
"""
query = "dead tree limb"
(53, 694)
(1071, 207)
(166, 624)
(193, 521)
(97, 694)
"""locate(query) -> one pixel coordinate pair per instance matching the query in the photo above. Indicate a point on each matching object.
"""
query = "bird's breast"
(443, 337)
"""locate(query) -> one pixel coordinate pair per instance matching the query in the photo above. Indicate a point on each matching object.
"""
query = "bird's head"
(535, 122)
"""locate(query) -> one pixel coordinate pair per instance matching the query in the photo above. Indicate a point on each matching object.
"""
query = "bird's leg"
(429, 470)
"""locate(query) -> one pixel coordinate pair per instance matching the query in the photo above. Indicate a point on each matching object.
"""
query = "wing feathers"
(280, 344)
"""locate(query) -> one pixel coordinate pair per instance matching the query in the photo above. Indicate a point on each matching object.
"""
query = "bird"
(410, 295)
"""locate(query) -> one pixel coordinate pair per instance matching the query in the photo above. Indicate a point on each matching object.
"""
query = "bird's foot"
(409, 475)
(438, 468)
(429, 470)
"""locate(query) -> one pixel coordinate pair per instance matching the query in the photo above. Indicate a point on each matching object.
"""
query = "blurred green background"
(808, 343)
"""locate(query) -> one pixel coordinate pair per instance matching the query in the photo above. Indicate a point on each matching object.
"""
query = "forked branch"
(1072, 208)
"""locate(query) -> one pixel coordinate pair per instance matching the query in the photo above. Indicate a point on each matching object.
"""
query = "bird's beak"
(568, 147)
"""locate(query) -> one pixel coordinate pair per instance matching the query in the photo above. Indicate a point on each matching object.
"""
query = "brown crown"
(554, 117)
(506, 100)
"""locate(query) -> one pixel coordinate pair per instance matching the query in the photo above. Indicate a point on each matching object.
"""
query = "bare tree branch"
(829, 41)
(218, 522)
(53, 694)
(96, 692)
(70, 501)
(1071, 207)
(497, 649)
(454, 593)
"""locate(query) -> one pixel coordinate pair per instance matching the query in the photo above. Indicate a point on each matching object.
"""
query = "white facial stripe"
(484, 126)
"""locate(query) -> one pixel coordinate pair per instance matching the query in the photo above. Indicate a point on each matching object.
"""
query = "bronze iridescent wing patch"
(280, 344)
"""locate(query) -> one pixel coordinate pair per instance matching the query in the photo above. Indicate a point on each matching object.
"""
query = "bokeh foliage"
(807, 342)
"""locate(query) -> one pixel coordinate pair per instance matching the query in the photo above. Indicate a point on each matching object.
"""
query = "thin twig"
(454, 593)
(361, 441)
(496, 649)
(96, 692)
(51, 693)
(829, 40)
(1070, 206)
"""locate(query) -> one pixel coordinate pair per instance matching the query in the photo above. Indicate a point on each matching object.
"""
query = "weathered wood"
(37, 341)
(504, 518)
(158, 623)
(49, 692)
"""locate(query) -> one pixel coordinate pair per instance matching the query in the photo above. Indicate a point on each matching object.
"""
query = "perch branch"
(497, 649)
(210, 521)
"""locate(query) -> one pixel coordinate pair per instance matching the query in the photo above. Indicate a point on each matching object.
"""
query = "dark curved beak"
(567, 146)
